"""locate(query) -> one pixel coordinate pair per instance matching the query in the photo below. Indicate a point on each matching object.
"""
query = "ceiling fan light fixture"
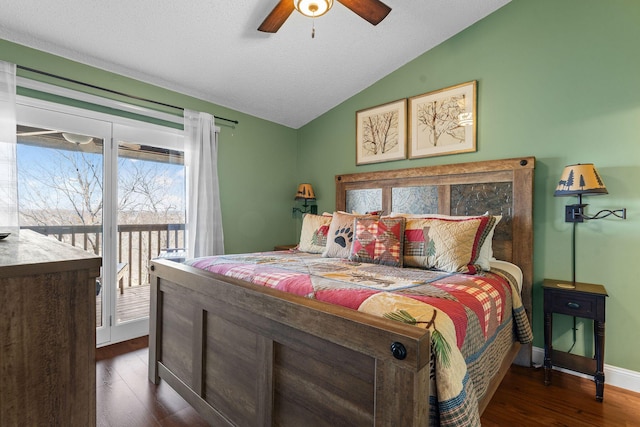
(313, 8)
(76, 139)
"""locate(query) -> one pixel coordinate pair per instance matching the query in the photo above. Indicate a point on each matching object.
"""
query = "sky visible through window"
(64, 186)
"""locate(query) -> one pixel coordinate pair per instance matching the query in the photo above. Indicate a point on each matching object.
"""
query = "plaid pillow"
(378, 241)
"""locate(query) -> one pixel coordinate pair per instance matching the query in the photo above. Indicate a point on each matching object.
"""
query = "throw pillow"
(340, 235)
(486, 251)
(378, 241)
(451, 245)
(313, 236)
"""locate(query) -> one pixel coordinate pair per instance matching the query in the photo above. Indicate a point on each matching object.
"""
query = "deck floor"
(132, 304)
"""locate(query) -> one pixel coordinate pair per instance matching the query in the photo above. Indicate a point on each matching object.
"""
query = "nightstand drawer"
(574, 304)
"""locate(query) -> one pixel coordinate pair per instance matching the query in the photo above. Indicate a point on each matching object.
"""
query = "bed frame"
(247, 355)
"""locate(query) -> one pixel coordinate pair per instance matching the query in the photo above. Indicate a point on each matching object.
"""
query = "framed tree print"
(443, 122)
(381, 133)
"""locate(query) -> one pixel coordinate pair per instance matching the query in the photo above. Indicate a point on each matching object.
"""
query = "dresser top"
(29, 250)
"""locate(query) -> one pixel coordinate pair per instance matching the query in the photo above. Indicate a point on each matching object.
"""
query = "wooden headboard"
(500, 187)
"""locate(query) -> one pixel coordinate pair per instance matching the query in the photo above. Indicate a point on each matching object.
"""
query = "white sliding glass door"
(113, 188)
(150, 217)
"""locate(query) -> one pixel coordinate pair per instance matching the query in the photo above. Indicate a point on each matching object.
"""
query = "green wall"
(557, 79)
(256, 157)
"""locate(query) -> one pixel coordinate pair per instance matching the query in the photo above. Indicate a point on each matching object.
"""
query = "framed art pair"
(432, 124)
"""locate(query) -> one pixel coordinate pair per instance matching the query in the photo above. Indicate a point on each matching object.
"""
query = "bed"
(243, 353)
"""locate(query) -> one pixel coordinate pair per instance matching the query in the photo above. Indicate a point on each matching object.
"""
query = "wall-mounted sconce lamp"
(577, 180)
(582, 179)
(305, 192)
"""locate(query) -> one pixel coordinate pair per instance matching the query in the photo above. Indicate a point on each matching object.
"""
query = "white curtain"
(204, 216)
(8, 163)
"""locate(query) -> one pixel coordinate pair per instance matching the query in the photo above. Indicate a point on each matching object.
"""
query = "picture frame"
(443, 121)
(381, 133)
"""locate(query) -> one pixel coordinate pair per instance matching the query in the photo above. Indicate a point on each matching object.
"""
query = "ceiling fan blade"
(373, 11)
(276, 18)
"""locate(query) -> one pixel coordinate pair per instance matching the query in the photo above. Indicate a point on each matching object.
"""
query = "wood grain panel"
(178, 332)
(47, 319)
(323, 388)
(396, 406)
(232, 391)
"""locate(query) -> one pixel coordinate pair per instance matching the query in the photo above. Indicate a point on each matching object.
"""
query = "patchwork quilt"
(473, 318)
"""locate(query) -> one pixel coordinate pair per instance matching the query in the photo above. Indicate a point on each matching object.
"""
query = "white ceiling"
(210, 49)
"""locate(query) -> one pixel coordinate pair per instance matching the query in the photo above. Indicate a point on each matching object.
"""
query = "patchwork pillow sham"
(378, 241)
(486, 250)
(451, 245)
(313, 236)
(340, 235)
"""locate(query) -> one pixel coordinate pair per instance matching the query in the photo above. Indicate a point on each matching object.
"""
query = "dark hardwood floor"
(126, 398)
(523, 400)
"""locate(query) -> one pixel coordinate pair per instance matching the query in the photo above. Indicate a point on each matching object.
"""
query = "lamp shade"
(305, 191)
(582, 178)
(313, 8)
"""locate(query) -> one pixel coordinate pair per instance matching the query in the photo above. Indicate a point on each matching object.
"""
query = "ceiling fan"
(373, 11)
(73, 138)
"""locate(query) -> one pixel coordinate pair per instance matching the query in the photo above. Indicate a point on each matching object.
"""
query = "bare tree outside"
(61, 185)
(142, 192)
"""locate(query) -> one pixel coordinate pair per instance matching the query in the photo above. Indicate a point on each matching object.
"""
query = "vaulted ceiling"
(211, 49)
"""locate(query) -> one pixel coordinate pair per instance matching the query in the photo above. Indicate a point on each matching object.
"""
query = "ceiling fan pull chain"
(313, 29)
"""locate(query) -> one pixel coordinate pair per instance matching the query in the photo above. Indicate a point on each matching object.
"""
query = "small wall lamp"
(305, 192)
(580, 179)
(577, 180)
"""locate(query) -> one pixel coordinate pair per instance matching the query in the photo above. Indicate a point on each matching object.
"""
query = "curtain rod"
(115, 92)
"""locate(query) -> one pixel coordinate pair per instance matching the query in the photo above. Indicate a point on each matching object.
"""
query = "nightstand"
(586, 300)
(284, 247)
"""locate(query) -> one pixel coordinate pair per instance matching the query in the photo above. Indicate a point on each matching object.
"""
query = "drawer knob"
(573, 305)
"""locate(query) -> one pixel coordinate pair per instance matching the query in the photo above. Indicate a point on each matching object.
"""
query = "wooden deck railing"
(137, 243)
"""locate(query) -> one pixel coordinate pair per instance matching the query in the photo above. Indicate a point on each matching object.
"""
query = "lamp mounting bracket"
(312, 209)
(574, 213)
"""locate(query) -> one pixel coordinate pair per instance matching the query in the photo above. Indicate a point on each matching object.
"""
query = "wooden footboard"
(248, 355)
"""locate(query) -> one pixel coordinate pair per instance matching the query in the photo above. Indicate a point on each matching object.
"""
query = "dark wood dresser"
(47, 332)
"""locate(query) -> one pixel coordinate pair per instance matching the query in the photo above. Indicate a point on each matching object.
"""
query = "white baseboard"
(618, 377)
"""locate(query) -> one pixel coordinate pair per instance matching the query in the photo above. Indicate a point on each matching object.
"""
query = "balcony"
(136, 245)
